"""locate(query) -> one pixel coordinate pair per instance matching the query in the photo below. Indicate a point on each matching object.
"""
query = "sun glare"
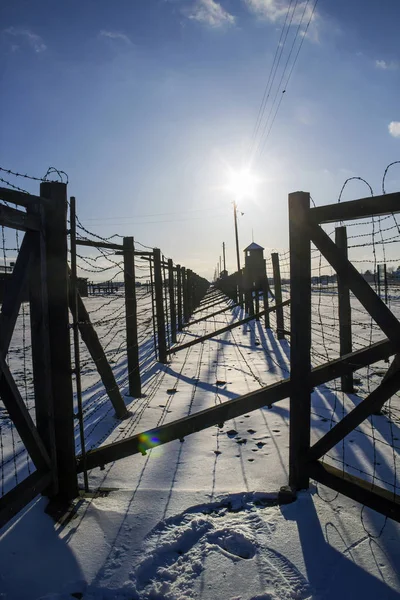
(241, 183)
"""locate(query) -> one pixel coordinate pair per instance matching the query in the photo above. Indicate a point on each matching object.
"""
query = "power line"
(290, 72)
(150, 214)
(267, 88)
(133, 222)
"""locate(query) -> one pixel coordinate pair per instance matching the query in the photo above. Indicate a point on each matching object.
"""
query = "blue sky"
(145, 102)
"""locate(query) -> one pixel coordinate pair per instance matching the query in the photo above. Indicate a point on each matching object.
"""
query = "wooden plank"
(132, 343)
(15, 291)
(224, 329)
(373, 206)
(368, 494)
(16, 219)
(280, 325)
(19, 198)
(100, 244)
(219, 312)
(300, 342)
(344, 306)
(183, 427)
(394, 367)
(21, 418)
(172, 307)
(55, 216)
(357, 284)
(23, 493)
(159, 302)
(234, 408)
(354, 418)
(89, 336)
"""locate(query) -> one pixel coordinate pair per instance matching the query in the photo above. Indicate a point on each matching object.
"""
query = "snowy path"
(182, 521)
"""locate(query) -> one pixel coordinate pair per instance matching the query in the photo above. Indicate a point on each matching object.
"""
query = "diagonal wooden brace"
(21, 418)
(379, 396)
(357, 284)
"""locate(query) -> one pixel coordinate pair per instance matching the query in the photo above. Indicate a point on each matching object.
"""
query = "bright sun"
(241, 183)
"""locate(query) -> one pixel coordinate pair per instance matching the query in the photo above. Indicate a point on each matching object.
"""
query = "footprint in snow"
(176, 553)
(231, 433)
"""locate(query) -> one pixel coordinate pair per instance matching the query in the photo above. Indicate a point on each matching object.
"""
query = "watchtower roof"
(253, 246)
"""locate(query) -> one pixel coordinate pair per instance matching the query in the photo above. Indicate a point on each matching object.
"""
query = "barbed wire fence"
(101, 367)
(15, 461)
(370, 451)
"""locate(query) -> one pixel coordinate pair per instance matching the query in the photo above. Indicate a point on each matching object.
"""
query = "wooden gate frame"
(42, 262)
(303, 378)
(305, 227)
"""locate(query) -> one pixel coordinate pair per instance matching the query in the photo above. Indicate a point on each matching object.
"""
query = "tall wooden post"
(265, 288)
(59, 334)
(184, 295)
(345, 332)
(189, 294)
(179, 296)
(386, 282)
(379, 279)
(41, 364)
(132, 344)
(300, 341)
(257, 301)
(172, 307)
(73, 295)
(165, 295)
(159, 300)
(280, 324)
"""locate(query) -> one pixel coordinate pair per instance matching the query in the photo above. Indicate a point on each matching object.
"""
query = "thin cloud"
(210, 13)
(32, 39)
(276, 10)
(394, 129)
(115, 35)
(386, 66)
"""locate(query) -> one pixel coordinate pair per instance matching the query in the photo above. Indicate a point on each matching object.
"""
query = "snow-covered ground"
(200, 518)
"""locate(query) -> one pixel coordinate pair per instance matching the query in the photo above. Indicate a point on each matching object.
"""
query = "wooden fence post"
(59, 335)
(266, 301)
(132, 344)
(300, 341)
(179, 295)
(172, 307)
(185, 295)
(189, 294)
(379, 279)
(257, 301)
(73, 295)
(345, 332)
(385, 283)
(280, 324)
(41, 365)
(159, 299)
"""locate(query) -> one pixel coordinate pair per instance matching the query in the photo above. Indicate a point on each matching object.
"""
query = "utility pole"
(223, 254)
(220, 266)
(236, 236)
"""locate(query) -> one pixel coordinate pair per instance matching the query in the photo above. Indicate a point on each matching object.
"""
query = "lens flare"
(146, 442)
